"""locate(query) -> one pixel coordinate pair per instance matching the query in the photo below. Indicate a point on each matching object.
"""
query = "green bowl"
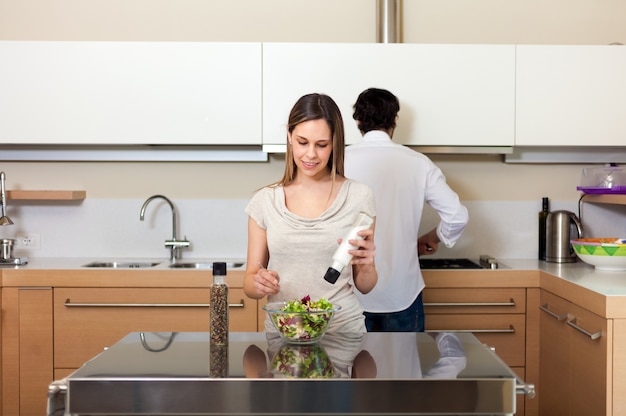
(607, 254)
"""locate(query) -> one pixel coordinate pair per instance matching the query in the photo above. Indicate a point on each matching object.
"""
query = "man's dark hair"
(376, 109)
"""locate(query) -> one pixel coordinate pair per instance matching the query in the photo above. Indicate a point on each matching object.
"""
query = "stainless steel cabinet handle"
(521, 387)
(455, 304)
(558, 317)
(57, 392)
(69, 304)
(595, 335)
(509, 330)
(527, 389)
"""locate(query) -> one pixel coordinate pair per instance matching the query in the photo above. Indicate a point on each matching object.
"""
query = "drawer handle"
(527, 389)
(69, 304)
(558, 317)
(509, 330)
(454, 304)
(594, 336)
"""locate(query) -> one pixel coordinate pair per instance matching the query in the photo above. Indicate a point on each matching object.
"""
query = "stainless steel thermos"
(561, 227)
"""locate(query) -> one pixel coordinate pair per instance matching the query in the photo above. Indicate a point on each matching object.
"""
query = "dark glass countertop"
(375, 373)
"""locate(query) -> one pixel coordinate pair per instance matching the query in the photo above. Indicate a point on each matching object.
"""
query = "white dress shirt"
(402, 180)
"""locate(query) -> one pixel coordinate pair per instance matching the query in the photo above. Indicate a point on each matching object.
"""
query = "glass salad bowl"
(300, 322)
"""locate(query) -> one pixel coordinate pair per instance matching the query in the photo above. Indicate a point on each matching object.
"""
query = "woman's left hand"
(363, 267)
(366, 250)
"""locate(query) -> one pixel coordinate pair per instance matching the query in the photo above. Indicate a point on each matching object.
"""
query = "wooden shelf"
(605, 198)
(46, 195)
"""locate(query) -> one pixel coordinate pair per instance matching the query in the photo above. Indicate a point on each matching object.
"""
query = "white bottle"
(341, 258)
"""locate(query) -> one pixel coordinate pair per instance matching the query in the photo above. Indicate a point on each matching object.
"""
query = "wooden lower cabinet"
(87, 320)
(47, 333)
(575, 373)
(27, 358)
(505, 334)
(497, 316)
(619, 366)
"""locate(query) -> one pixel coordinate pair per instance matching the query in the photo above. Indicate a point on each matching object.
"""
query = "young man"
(402, 180)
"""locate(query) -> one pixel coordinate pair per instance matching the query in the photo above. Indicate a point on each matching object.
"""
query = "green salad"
(303, 319)
(307, 305)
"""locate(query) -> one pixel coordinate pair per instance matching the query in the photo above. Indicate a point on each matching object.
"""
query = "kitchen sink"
(122, 265)
(202, 265)
(146, 264)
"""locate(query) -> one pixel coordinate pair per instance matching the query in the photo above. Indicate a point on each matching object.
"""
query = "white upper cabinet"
(450, 95)
(571, 95)
(130, 93)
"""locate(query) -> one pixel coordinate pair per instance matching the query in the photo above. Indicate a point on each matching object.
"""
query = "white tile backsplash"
(112, 228)
(217, 228)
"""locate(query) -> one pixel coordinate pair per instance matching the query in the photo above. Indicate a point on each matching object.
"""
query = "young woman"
(295, 224)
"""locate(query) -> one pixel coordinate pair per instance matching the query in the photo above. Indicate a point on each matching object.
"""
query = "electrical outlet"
(29, 241)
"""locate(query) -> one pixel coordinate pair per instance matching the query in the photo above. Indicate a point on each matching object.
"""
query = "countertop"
(79, 263)
(601, 292)
(71, 272)
(606, 283)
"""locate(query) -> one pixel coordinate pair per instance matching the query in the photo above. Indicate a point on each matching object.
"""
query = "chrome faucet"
(174, 244)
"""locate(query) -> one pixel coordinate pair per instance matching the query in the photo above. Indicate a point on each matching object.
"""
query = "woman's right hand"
(266, 282)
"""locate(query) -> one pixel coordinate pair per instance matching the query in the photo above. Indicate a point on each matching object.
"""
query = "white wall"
(106, 227)
(515, 21)
(425, 21)
(217, 228)
(491, 188)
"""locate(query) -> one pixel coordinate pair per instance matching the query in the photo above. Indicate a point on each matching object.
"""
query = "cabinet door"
(619, 366)
(589, 365)
(554, 356)
(505, 333)
(476, 301)
(130, 93)
(575, 369)
(495, 315)
(88, 320)
(455, 95)
(572, 95)
(26, 350)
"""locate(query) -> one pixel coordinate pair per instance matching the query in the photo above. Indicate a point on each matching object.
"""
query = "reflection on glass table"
(358, 356)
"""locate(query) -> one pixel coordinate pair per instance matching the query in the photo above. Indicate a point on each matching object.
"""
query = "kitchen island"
(374, 373)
